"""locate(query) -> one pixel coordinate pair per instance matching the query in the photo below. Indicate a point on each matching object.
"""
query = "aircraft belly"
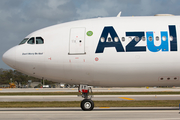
(78, 73)
(117, 75)
(136, 75)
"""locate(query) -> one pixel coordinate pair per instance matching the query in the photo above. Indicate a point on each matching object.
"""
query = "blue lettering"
(172, 33)
(150, 42)
(109, 38)
(102, 45)
(131, 46)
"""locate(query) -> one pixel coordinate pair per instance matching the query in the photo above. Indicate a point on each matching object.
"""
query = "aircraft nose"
(9, 57)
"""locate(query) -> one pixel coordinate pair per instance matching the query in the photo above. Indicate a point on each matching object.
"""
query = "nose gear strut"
(87, 104)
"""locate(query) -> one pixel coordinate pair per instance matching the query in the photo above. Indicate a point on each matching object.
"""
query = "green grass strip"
(148, 103)
(94, 93)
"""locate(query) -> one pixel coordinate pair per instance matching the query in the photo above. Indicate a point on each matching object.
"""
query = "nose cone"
(9, 57)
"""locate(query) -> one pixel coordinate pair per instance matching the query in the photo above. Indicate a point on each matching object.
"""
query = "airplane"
(108, 52)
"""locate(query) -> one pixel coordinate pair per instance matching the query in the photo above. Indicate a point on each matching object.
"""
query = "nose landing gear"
(87, 104)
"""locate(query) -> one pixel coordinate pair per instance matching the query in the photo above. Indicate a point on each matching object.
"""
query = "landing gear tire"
(87, 105)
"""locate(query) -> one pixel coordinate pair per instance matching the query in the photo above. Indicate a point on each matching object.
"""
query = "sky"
(18, 18)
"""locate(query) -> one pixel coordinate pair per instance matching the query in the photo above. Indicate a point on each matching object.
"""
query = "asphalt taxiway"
(95, 98)
(97, 113)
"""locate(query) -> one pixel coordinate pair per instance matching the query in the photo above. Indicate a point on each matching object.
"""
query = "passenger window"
(143, 38)
(157, 38)
(171, 38)
(136, 38)
(150, 38)
(102, 39)
(39, 40)
(109, 39)
(31, 41)
(164, 38)
(123, 39)
(116, 39)
(130, 38)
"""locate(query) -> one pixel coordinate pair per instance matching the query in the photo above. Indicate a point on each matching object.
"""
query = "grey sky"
(18, 18)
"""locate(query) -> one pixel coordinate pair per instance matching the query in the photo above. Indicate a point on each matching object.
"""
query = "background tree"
(5, 76)
(19, 78)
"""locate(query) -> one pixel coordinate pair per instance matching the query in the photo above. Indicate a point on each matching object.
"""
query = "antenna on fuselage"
(119, 15)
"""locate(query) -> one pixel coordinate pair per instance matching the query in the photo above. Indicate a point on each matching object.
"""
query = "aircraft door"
(77, 41)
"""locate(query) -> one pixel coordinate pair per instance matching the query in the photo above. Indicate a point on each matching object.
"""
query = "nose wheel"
(87, 105)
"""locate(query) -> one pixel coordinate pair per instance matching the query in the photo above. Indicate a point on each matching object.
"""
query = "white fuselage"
(70, 53)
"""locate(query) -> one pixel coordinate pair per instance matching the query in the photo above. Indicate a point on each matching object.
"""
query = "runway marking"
(37, 89)
(0, 89)
(104, 107)
(126, 98)
(167, 91)
(109, 89)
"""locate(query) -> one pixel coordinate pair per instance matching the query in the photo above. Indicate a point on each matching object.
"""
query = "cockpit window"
(35, 40)
(31, 41)
(39, 40)
(23, 41)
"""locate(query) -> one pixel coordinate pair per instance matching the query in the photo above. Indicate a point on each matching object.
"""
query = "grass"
(94, 93)
(148, 103)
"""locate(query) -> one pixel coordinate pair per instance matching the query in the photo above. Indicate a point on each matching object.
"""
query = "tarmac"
(95, 97)
(104, 113)
(131, 113)
(25, 98)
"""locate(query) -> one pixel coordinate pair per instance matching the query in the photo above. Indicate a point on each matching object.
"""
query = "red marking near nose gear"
(49, 58)
(84, 91)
